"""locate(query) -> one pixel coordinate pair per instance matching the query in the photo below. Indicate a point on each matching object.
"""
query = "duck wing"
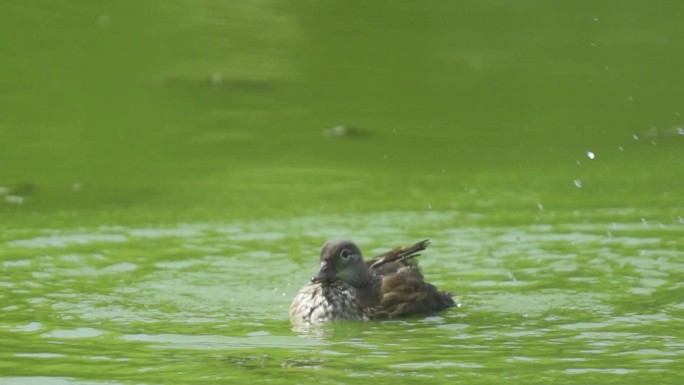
(406, 293)
(400, 254)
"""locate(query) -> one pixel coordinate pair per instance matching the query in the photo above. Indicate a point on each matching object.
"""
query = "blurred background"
(119, 111)
(169, 170)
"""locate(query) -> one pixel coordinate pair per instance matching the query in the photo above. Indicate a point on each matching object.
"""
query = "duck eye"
(345, 254)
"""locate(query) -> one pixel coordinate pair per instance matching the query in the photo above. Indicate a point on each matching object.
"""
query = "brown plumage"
(347, 287)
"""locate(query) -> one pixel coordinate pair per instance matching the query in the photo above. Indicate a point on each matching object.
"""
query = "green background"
(168, 171)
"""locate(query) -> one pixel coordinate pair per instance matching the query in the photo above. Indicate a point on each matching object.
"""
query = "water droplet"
(635, 136)
(590, 155)
(104, 21)
(216, 79)
(621, 148)
(578, 183)
(540, 206)
(578, 163)
(429, 206)
(644, 221)
(338, 131)
(680, 130)
(596, 19)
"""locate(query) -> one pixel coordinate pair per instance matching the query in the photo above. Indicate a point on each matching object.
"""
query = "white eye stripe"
(345, 254)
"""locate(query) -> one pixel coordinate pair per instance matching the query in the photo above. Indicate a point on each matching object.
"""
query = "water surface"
(168, 173)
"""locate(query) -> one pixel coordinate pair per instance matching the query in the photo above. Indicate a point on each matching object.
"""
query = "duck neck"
(361, 276)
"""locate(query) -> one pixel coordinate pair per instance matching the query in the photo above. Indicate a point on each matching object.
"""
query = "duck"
(347, 287)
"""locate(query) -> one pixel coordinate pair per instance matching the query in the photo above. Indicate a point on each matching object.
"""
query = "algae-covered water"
(169, 171)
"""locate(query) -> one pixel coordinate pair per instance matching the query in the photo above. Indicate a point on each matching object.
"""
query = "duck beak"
(326, 272)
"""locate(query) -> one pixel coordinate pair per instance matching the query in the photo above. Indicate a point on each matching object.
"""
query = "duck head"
(342, 259)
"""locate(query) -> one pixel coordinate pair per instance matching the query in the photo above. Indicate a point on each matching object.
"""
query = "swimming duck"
(347, 287)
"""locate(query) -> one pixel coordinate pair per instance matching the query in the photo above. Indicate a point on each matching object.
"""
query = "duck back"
(405, 293)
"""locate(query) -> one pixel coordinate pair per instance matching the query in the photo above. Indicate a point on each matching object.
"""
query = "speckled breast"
(324, 302)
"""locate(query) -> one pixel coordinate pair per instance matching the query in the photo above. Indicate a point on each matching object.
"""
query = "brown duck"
(348, 288)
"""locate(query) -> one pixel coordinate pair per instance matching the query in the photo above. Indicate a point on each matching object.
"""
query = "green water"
(169, 171)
